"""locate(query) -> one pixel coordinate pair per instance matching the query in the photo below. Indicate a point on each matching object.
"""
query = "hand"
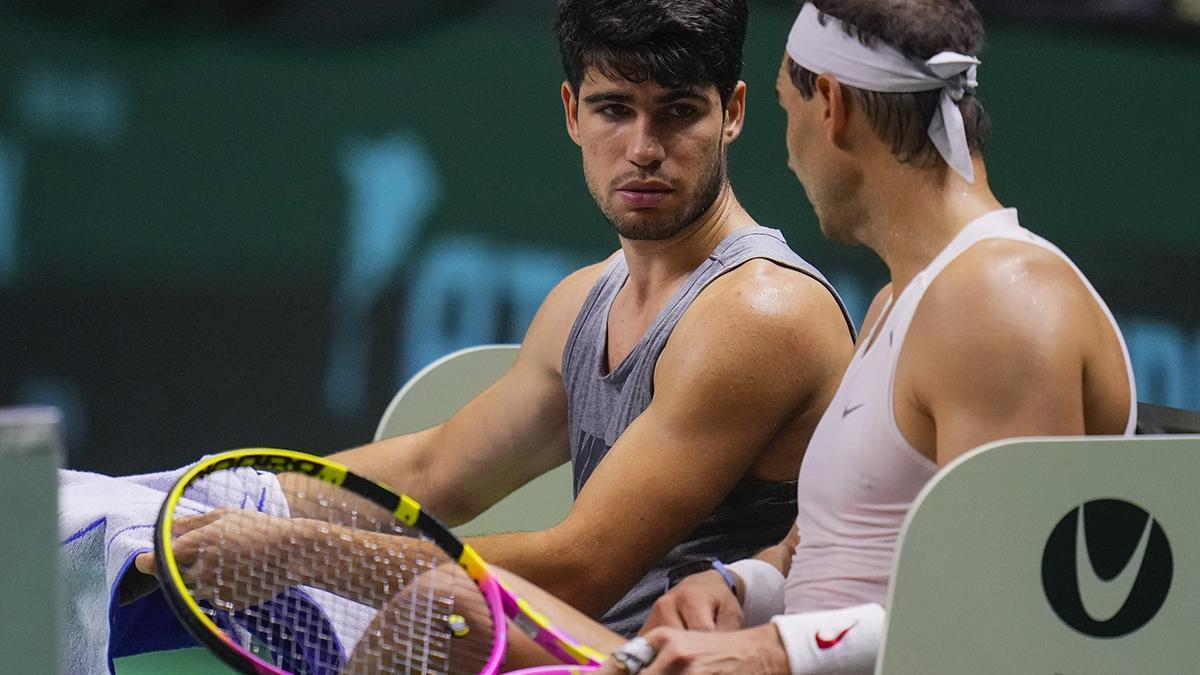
(756, 651)
(701, 601)
(235, 558)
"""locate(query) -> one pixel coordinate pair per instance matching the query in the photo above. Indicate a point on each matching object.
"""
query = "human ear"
(836, 111)
(735, 112)
(571, 110)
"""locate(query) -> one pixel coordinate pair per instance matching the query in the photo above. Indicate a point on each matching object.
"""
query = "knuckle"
(660, 635)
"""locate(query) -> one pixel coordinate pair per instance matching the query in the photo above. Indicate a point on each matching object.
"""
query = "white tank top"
(859, 474)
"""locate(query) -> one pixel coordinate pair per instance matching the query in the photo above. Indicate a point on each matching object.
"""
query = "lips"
(644, 194)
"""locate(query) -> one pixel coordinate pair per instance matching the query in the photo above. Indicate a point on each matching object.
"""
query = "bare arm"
(511, 433)
(737, 368)
(1014, 364)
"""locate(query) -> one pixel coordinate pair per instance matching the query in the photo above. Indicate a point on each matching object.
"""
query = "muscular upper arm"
(996, 351)
(749, 356)
(512, 432)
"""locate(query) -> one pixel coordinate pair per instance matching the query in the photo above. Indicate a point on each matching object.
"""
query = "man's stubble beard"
(670, 224)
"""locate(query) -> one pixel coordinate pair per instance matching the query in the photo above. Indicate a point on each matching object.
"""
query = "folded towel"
(105, 522)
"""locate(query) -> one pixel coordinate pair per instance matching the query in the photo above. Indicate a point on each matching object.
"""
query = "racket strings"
(327, 583)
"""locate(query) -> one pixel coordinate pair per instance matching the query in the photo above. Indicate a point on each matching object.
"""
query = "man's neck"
(655, 265)
(911, 218)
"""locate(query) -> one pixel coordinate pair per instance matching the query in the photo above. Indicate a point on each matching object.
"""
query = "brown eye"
(614, 110)
(681, 111)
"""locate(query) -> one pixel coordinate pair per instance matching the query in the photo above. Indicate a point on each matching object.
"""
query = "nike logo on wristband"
(822, 643)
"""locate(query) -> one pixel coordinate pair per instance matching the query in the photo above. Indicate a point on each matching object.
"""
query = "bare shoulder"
(762, 291)
(1008, 341)
(1010, 290)
(547, 334)
(568, 295)
(763, 320)
(1003, 314)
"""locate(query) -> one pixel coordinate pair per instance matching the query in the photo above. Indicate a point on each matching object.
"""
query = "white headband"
(831, 49)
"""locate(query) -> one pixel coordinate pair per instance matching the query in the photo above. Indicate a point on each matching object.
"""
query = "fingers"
(182, 526)
(637, 655)
(696, 607)
(663, 613)
(661, 640)
(698, 614)
(145, 563)
(683, 612)
(729, 616)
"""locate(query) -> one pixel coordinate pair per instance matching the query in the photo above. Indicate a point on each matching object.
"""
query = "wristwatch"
(678, 573)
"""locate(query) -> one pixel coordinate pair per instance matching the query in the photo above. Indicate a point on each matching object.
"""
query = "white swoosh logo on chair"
(1102, 599)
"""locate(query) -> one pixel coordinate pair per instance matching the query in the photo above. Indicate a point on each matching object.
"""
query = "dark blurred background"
(228, 222)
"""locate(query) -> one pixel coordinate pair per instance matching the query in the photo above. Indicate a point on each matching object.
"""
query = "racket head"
(260, 597)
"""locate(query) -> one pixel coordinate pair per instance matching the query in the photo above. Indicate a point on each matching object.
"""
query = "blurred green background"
(246, 222)
(230, 229)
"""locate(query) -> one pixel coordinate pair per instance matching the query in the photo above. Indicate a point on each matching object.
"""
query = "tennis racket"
(285, 563)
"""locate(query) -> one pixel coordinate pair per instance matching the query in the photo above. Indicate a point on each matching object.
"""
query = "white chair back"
(439, 390)
(1066, 555)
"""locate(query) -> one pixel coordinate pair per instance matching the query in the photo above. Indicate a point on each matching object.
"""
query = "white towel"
(104, 523)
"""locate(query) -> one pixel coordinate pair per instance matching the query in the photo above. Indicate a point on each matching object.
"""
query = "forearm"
(364, 566)
(411, 464)
(562, 568)
(400, 461)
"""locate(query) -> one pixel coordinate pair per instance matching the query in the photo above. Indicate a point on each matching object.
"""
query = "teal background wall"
(220, 239)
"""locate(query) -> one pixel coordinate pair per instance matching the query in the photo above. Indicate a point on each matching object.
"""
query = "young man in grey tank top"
(727, 346)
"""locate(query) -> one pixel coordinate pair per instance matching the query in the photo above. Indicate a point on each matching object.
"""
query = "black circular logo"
(1107, 568)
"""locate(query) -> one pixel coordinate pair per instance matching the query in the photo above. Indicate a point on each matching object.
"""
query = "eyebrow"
(669, 97)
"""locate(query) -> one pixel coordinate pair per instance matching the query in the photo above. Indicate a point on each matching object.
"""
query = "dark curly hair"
(675, 43)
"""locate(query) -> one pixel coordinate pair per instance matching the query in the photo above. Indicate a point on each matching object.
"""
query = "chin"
(650, 229)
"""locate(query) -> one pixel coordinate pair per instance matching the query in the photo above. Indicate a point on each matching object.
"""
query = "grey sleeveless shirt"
(756, 513)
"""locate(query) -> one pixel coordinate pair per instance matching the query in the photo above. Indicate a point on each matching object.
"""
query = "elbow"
(452, 509)
(432, 478)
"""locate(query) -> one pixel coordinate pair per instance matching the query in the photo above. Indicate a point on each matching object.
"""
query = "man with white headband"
(986, 331)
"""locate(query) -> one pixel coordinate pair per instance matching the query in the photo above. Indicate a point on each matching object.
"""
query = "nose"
(645, 148)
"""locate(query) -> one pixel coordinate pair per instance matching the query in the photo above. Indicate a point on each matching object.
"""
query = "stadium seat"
(1065, 555)
(435, 393)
